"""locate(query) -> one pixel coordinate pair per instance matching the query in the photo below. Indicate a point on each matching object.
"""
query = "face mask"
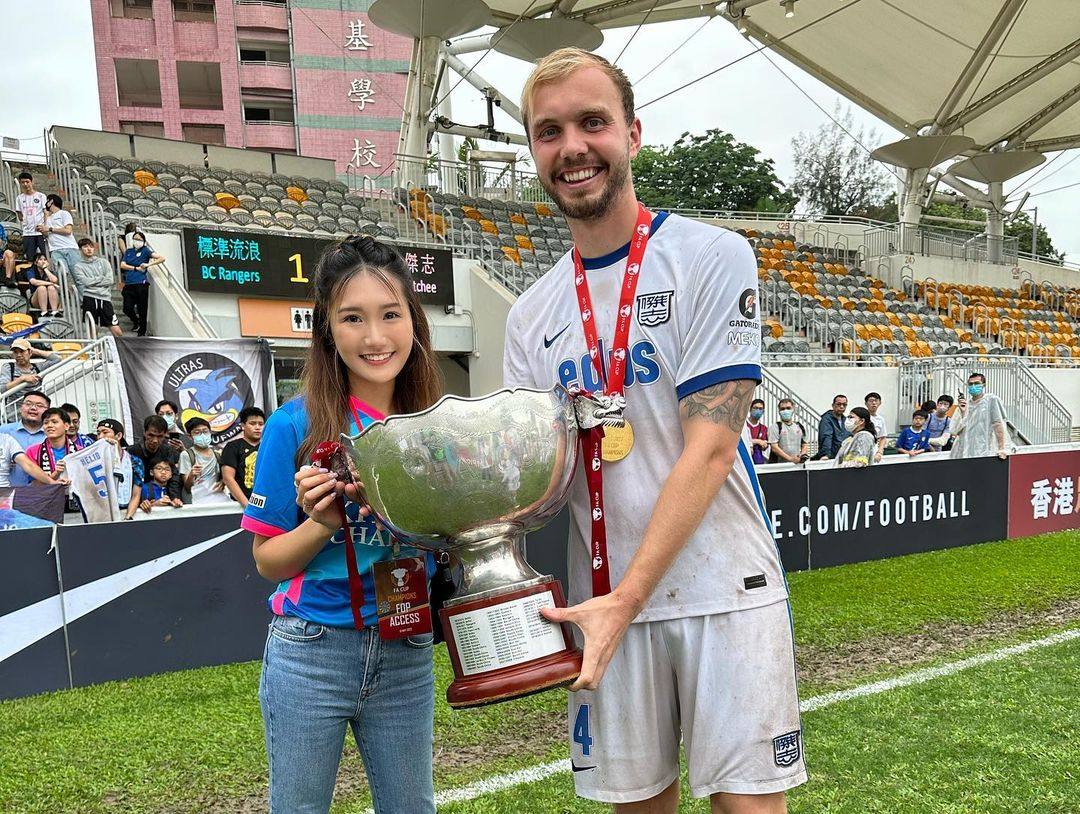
(785, 415)
(756, 414)
(975, 389)
(170, 420)
(138, 244)
(942, 409)
(851, 424)
(202, 439)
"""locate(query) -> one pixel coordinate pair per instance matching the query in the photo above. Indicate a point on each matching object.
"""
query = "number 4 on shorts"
(581, 730)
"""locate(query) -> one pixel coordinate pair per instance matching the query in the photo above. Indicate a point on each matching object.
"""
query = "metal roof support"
(995, 223)
(563, 8)
(473, 78)
(614, 11)
(469, 45)
(1013, 86)
(1041, 119)
(1001, 23)
(480, 132)
(419, 94)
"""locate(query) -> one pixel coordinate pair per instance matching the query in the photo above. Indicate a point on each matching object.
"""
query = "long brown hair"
(325, 380)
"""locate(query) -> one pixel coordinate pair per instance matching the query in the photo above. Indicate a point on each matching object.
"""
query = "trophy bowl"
(471, 476)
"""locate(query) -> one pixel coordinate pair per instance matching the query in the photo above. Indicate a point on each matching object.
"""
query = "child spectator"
(155, 492)
(94, 277)
(74, 436)
(915, 440)
(153, 448)
(201, 467)
(49, 454)
(31, 206)
(136, 284)
(238, 457)
(940, 423)
(44, 287)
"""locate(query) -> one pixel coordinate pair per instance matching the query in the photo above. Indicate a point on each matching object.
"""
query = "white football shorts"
(722, 684)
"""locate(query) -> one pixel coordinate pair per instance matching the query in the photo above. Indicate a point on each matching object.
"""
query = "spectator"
(22, 370)
(787, 437)
(127, 470)
(939, 425)
(170, 411)
(915, 440)
(928, 407)
(27, 430)
(59, 229)
(44, 287)
(153, 448)
(11, 452)
(122, 240)
(201, 466)
(74, 436)
(238, 457)
(831, 429)
(979, 428)
(759, 433)
(156, 491)
(8, 280)
(136, 283)
(858, 450)
(881, 429)
(94, 277)
(31, 206)
(49, 454)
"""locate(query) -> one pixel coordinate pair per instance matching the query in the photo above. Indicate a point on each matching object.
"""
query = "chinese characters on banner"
(356, 39)
(360, 93)
(228, 249)
(1042, 492)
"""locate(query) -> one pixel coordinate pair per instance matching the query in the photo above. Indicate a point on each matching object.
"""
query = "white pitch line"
(532, 774)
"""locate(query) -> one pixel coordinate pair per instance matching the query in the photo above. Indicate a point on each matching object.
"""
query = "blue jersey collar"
(606, 260)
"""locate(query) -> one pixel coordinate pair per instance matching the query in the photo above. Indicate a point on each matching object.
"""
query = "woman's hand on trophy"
(603, 621)
(317, 493)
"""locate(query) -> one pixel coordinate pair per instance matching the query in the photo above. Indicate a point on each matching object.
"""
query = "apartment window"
(132, 9)
(137, 82)
(199, 84)
(155, 129)
(204, 133)
(264, 53)
(193, 11)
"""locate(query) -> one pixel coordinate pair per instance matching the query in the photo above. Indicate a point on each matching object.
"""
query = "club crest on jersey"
(786, 748)
(654, 309)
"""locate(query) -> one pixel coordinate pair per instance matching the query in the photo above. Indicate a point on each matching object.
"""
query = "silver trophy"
(471, 476)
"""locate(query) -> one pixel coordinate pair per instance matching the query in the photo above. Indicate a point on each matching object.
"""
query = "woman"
(326, 665)
(858, 450)
(135, 286)
(44, 287)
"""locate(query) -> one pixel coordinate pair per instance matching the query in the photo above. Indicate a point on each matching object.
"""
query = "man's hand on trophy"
(603, 621)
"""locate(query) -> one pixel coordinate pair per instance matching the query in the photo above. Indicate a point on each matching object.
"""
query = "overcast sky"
(752, 99)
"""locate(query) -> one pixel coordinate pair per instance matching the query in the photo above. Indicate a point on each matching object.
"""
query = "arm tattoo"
(726, 403)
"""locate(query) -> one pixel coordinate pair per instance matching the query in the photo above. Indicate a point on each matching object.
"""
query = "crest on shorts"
(654, 309)
(786, 748)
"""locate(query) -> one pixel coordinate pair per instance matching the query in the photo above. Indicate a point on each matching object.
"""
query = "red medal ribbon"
(591, 440)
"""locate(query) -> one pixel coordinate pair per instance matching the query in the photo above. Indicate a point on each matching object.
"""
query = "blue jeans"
(68, 258)
(318, 680)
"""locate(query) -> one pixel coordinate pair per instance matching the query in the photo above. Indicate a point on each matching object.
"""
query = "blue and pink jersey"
(320, 593)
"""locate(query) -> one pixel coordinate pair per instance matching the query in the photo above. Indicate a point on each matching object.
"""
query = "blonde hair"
(559, 64)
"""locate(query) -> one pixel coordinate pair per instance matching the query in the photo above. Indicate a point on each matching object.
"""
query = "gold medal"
(617, 442)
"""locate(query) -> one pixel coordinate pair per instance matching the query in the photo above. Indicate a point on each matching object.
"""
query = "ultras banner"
(851, 515)
(212, 381)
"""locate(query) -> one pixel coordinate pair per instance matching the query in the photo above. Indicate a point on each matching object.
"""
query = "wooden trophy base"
(501, 648)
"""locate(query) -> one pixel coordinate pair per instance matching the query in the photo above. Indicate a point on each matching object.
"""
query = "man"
(873, 402)
(59, 229)
(914, 440)
(831, 429)
(31, 206)
(170, 411)
(238, 457)
(759, 433)
(980, 428)
(939, 425)
(27, 430)
(787, 437)
(126, 470)
(153, 448)
(23, 370)
(94, 277)
(696, 619)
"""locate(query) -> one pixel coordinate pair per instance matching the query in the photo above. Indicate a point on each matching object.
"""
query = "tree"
(710, 171)
(834, 174)
(1019, 227)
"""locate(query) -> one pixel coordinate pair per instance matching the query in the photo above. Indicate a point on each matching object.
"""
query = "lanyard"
(592, 439)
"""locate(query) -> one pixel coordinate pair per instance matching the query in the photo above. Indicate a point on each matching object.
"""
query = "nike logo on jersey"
(549, 342)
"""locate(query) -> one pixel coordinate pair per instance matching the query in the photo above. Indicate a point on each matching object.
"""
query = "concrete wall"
(818, 385)
(1064, 383)
(76, 139)
(490, 306)
(228, 158)
(306, 167)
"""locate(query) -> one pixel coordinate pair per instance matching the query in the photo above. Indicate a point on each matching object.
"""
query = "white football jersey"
(695, 324)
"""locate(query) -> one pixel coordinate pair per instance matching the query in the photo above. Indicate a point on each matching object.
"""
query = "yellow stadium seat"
(145, 178)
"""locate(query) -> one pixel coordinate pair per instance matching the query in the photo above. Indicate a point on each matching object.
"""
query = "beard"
(597, 205)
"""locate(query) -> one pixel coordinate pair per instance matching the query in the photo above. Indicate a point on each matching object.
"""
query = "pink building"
(312, 77)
